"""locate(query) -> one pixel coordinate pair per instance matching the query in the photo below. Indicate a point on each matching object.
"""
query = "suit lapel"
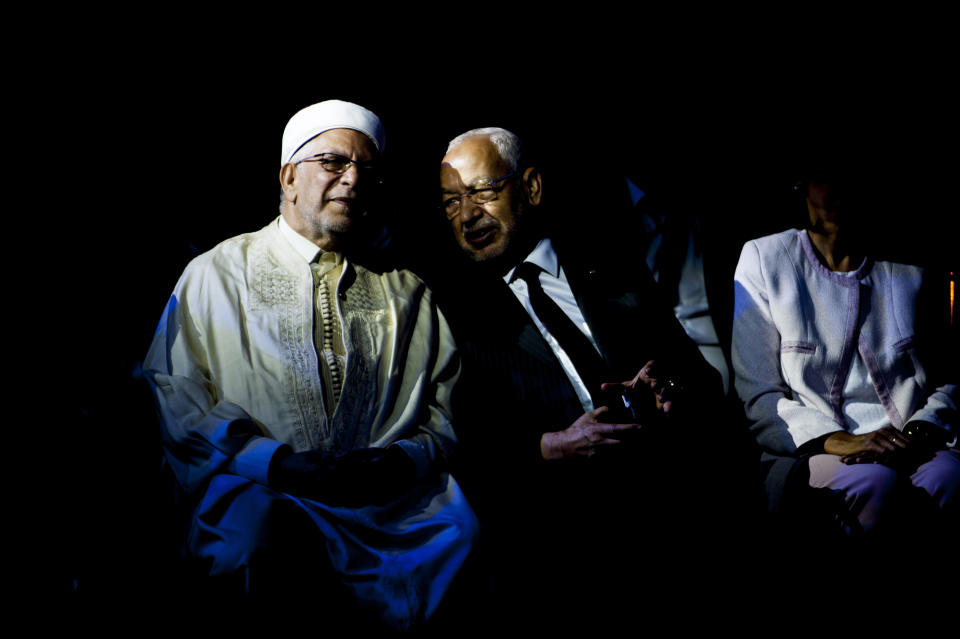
(531, 341)
(611, 300)
(510, 324)
(526, 334)
(598, 301)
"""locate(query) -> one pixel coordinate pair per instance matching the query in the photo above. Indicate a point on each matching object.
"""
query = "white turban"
(310, 122)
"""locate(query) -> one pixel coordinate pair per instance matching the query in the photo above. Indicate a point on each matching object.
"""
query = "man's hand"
(358, 477)
(584, 438)
(666, 391)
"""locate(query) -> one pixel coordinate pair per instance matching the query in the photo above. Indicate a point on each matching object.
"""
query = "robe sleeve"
(432, 446)
(203, 433)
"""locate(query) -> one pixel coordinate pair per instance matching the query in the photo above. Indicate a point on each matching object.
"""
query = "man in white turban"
(304, 398)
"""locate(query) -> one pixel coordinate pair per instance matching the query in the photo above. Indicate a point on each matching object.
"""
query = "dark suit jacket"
(649, 493)
(513, 389)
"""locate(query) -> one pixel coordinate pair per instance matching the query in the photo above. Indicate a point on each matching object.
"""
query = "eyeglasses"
(478, 195)
(338, 164)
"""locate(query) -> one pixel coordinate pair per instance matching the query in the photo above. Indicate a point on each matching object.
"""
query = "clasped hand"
(888, 446)
(353, 478)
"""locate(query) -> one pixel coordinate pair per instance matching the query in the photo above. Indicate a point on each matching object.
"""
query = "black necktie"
(590, 366)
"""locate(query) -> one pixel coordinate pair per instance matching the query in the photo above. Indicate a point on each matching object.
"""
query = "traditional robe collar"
(306, 249)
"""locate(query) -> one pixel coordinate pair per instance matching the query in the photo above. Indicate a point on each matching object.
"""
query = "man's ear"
(532, 186)
(288, 182)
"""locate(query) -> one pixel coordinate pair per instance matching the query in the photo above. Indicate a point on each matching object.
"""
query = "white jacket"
(797, 326)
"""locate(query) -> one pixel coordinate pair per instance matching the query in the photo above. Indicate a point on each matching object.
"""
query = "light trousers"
(870, 491)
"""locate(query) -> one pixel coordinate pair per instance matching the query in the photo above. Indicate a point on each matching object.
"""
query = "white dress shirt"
(554, 283)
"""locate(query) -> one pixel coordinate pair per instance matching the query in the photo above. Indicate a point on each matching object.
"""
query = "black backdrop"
(168, 156)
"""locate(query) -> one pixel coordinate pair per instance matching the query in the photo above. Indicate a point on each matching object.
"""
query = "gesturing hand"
(665, 390)
(584, 438)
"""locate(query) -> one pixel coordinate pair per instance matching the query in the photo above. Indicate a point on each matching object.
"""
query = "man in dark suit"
(583, 408)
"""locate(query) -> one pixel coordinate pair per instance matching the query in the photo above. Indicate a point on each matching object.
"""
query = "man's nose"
(351, 176)
(470, 211)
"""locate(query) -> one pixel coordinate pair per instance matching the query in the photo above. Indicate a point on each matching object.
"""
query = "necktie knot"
(529, 273)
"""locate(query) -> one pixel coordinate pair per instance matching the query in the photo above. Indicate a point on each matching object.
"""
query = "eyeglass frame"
(365, 169)
(494, 185)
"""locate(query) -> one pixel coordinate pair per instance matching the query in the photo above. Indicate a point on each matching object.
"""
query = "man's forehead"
(345, 142)
(473, 161)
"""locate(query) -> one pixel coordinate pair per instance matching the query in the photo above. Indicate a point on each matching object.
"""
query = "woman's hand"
(872, 447)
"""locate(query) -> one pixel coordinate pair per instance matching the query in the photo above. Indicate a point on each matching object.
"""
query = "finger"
(605, 441)
(877, 443)
(616, 428)
(648, 373)
(596, 412)
(671, 388)
(595, 450)
(880, 446)
(899, 443)
(605, 386)
(589, 449)
(891, 442)
(899, 440)
(897, 437)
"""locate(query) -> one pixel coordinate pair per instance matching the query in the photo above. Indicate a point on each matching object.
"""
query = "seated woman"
(841, 375)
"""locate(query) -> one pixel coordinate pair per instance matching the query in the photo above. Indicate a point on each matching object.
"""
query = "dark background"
(154, 153)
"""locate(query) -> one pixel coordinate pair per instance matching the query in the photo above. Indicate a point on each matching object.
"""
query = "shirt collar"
(543, 256)
(304, 247)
